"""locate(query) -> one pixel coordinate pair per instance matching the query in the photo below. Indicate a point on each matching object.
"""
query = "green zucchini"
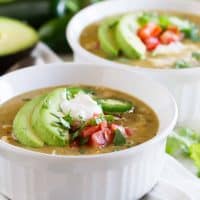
(115, 105)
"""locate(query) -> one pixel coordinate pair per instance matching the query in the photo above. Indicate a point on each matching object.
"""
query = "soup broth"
(171, 48)
(141, 120)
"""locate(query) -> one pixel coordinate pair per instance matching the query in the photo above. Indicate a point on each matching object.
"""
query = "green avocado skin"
(22, 125)
(43, 119)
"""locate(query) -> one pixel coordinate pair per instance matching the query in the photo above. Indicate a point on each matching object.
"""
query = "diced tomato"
(168, 36)
(149, 30)
(129, 132)
(108, 135)
(97, 139)
(156, 31)
(174, 29)
(151, 43)
(103, 125)
(114, 127)
(89, 130)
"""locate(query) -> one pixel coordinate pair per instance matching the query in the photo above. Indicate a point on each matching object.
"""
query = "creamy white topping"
(174, 47)
(184, 24)
(81, 106)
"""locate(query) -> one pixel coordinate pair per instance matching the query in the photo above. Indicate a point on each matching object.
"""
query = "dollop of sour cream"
(175, 47)
(81, 106)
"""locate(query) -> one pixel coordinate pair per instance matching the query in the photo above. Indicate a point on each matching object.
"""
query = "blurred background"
(48, 17)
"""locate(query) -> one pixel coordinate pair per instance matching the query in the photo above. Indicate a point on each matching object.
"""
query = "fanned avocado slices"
(22, 128)
(127, 39)
(16, 41)
(106, 35)
(45, 120)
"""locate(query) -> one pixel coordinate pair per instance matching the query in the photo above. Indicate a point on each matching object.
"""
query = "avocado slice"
(22, 129)
(16, 41)
(44, 120)
(127, 39)
(106, 35)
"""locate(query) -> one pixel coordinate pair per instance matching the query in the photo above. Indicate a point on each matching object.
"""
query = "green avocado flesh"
(22, 125)
(44, 119)
(118, 34)
(106, 34)
(15, 36)
(127, 39)
(35, 123)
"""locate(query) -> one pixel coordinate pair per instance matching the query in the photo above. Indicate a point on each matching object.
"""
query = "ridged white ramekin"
(123, 175)
(184, 83)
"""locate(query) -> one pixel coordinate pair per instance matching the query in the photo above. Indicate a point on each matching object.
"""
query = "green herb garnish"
(75, 135)
(181, 140)
(68, 118)
(109, 118)
(119, 139)
(61, 122)
(83, 141)
(181, 64)
(164, 21)
(187, 142)
(192, 33)
(146, 18)
(64, 123)
(196, 55)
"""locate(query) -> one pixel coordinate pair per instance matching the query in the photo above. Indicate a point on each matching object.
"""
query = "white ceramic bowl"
(123, 175)
(184, 83)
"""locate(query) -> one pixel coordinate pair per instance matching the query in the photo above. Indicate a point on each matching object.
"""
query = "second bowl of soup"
(160, 39)
(76, 131)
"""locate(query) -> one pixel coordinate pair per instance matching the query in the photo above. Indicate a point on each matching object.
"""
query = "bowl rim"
(26, 152)
(76, 47)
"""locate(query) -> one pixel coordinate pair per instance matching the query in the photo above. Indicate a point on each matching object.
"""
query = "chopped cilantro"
(119, 139)
(109, 118)
(146, 18)
(83, 141)
(75, 135)
(181, 64)
(196, 55)
(68, 118)
(64, 123)
(192, 32)
(164, 21)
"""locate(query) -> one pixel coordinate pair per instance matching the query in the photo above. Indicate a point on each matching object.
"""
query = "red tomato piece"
(174, 29)
(149, 30)
(151, 43)
(129, 132)
(90, 130)
(168, 37)
(114, 127)
(108, 135)
(156, 31)
(97, 139)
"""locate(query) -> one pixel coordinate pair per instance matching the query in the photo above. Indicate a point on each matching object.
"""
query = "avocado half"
(16, 41)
